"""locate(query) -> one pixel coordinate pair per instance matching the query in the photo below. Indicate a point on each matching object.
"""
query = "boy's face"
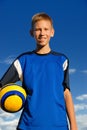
(42, 32)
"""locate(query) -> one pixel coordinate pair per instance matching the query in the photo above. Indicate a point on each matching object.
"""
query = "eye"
(37, 29)
(46, 29)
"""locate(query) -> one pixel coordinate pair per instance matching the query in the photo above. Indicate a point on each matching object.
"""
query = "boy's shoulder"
(26, 53)
(59, 54)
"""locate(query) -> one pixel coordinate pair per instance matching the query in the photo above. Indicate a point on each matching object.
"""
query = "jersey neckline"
(42, 54)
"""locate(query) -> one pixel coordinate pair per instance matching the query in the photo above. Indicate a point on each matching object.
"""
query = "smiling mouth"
(41, 38)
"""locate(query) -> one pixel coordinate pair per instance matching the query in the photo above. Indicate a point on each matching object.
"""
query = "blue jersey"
(44, 77)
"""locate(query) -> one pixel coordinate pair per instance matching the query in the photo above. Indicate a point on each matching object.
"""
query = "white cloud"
(8, 124)
(82, 97)
(82, 121)
(84, 71)
(8, 121)
(8, 60)
(6, 114)
(71, 71)
(80, 107)
(81, 112)
(80, 117)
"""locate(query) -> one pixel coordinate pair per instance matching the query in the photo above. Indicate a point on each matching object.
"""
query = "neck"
(43, 50)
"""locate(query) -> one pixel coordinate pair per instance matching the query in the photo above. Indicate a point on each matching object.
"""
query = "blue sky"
(70, 23)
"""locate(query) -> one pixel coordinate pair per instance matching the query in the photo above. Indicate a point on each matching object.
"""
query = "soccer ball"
(12, 98)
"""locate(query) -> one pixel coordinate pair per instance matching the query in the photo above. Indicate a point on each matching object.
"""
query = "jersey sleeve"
(66, 75)
(13, 74)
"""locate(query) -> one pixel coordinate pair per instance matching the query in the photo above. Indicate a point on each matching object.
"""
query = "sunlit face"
(42, 32)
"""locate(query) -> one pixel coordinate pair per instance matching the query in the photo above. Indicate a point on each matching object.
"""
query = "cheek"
(35, 37)
(36, 34)
(49, 35)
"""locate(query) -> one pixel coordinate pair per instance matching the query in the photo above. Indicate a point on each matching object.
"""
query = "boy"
(44, 75)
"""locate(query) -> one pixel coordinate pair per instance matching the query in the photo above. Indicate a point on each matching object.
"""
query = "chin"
(41, 44)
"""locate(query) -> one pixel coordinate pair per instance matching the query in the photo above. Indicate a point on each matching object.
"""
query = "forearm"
(70, 110)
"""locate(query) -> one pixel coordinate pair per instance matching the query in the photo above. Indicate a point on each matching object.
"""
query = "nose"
(42, 31)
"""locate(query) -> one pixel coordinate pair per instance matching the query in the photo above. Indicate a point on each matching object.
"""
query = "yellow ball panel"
(12, 87)
(13, 103)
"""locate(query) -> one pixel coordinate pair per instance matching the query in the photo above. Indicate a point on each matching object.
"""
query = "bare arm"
(70, 110)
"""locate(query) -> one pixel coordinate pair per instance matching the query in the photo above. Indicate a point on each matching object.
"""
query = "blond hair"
(40, 16)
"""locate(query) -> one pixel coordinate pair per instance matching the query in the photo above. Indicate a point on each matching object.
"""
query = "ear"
(52, 34)
(31, 33)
